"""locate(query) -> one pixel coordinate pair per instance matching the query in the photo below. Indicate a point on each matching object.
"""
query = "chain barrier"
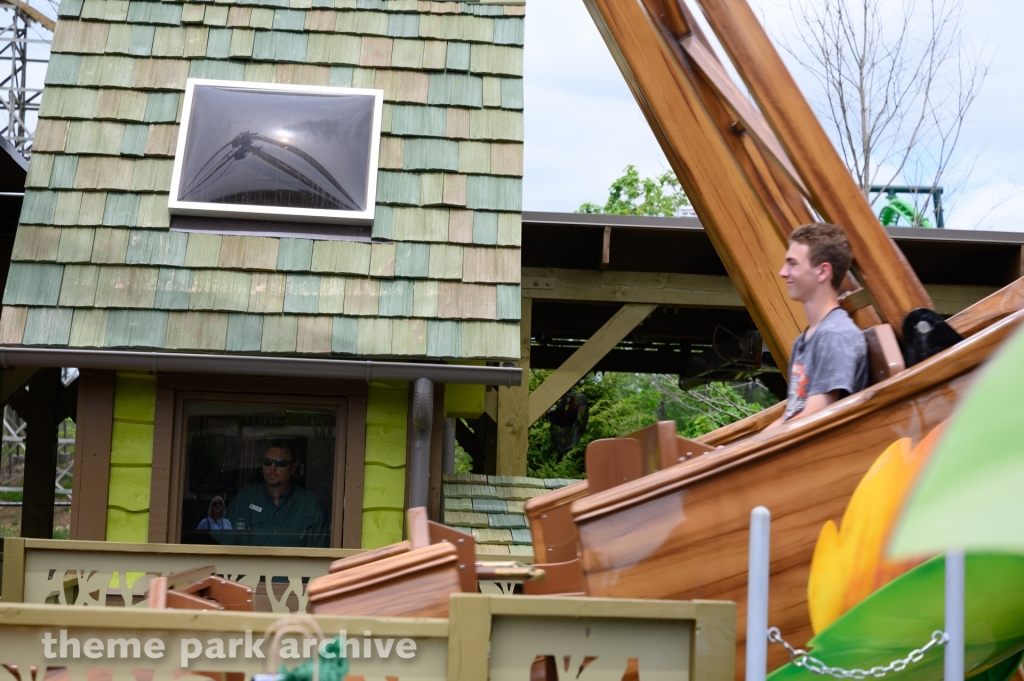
(801, 658)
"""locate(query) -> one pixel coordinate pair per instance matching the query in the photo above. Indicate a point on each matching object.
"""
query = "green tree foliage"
(630, 195)
(622, 403)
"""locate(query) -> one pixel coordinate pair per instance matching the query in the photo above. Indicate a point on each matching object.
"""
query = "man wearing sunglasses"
(276, 512)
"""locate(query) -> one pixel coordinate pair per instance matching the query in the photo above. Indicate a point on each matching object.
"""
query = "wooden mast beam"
(749, 243)
(878, 261)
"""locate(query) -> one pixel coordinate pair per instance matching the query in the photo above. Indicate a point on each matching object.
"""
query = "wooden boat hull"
(682, 533)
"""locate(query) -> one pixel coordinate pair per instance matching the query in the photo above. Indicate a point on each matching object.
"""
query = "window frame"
(276, 213)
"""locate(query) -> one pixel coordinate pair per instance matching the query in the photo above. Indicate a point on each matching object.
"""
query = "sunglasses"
(280, 463)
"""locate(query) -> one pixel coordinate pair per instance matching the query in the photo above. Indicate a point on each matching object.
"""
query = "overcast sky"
(583, 125)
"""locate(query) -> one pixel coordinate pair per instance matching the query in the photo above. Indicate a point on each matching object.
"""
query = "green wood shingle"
(51, 135)
(492, 92)
(154, 13)
(48, 326)
(279, 333)
(279, 46)
(401, 188)
(320, 21)
(510, 229)
(496, 59)
(407, 54)
(341, 76)
(193, 13)
(75, 244)
(494, 193)
(458, 57)
(302, 293)
(509, 31)
(40, 168)
(430, 154)
(156, 247)
(220, 290)
(91, 209)
(445, 261)
(396, 298)
(62, 69)
(375, 51)
(110, 246)
(173, 289)
(289, 20)
(383, 222)
(404, 25)
(153, 211)
(158, 74)
(38, 207)
(109, 71)
(455, 89)
(266, 293)
(36, 243)
(412, 260)
(313, 335)
(126, 287)
(104, 172)
(509, 303)
(248, 253)
(121, 105)
(363, 23)
(344, 334)
(152, 174)
(88, 328)
(496, 124)
(118, 38)
(332, 295)
(94, 137)
(409, 337)
(424, 298)
(161, 107)
(392, 153)
(373, 336)
(262, 17)
(69, 8)
(140, 41)
(67, 102)
(217, 70)
(241, 43)
(485, 228)
(341, 257)
(512, 93)
(69, 205)
(81, 36)
(295, 255)
(12, 325)
(134, 141)
(196, 331)
(203, 250)
(121, 210)
(474, 157)
(245, 333)
(444, 338)
(169, 41)
(419, 121)
(218, 45)
(78, 288)
(135, 328)
(33, 284)
(382, 260)
(195, 40)
(361, 296)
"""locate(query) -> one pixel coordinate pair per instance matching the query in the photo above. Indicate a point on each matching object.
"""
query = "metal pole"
(955, 570)
(757, 594)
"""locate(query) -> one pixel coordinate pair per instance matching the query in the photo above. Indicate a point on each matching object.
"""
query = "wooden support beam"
(583, 360)
(879, 264)
(659, 288)
(92, 455)
(40, 413)
(606, 248)
(13, 379)
(746, 239)
(514, 405)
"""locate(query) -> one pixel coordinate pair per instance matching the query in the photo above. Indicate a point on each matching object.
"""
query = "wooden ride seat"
(609, 463)
(416, 583)
(199, 589)
(361, 580)
(884, 354)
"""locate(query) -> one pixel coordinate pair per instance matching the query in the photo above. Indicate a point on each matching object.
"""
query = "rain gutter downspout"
(365, 370)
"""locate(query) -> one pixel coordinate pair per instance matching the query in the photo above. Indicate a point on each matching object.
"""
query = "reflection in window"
(279, 149)
(258, 475)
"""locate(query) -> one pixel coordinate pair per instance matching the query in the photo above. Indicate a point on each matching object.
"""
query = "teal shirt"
(298, 519)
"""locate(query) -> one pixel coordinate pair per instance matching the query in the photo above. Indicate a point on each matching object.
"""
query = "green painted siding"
(131, 457)
(387, 406)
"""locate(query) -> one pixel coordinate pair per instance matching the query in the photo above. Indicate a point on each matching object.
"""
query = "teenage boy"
(829, 359)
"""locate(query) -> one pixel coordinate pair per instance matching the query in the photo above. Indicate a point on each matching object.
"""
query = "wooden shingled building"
(348, 257)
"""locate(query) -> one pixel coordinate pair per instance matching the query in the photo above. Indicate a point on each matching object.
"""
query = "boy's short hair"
(826, 243)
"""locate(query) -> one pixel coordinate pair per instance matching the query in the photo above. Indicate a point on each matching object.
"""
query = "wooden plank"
(13, 379)
(436, 454)
(606, 248)
(879, 264)
(355, 451)
(659, 288)
(13, 590)
(160, 487)
(514, 406)
(583, 360)
(92, 455)
(469, 634)
(741, 231)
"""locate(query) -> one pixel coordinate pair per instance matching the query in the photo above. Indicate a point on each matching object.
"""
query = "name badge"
(256, 508)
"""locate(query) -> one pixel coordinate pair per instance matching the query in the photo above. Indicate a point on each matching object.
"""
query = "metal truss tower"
(25, 35)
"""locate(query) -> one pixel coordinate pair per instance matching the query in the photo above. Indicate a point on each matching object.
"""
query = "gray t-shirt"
(835, 357)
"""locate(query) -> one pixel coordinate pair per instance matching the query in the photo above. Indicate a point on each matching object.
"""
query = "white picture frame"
(274, 213)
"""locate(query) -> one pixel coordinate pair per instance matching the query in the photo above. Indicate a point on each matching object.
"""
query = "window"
(260, 152)
(259, 474)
